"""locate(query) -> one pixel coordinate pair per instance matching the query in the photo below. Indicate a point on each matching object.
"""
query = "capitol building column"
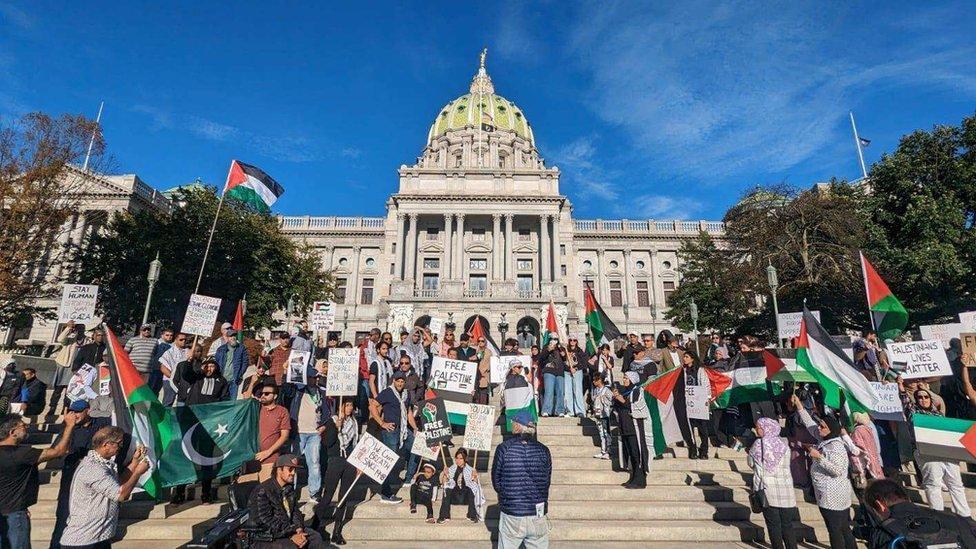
(411, 248)
(459, 271)
(496, 252)
(509, 248)
(556, 258)
(448, 242)
(545, 248)
(398, 258)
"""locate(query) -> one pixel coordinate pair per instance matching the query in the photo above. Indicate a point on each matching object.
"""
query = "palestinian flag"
(740, 386)
(658, 393)
(479, 329)
(830, 366)
(602, 330)
(888, 315)
(252, 186)
(456, 404)
(238, 323)
(520, 403)
(137, 411)
(552, 326)
(945, 438)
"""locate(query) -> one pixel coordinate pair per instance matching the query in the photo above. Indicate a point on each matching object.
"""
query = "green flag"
(212, 441)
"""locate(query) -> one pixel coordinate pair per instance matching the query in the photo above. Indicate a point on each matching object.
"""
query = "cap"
(78, 406)
(399, 374)
(426, 465)
(231, 332)
(144, 326)
(226, 326)
(288, 460)
(210, 360)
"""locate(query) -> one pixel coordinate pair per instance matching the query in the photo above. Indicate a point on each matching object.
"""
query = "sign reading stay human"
(343, 376)
(373, 458)
(201, 315)
(788, 324)
(457, 376)
(78, 303)
(921, 358)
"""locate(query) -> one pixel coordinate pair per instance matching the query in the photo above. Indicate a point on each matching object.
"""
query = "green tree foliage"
(249, 256)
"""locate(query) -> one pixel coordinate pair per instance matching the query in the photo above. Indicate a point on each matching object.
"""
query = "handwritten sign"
(501, 365)
(921, 358)
(78, 303)
(436, 326)
(788, 324)
(968, 321)
(201, 315)
(480, 426)
(434, 422)
(453, 375)
(696, 401)
(942, 332)
(323, 315)
(968, 341)
(297, 367)
(343, 378)
(889, 405)
(420, 447)
(373, 458)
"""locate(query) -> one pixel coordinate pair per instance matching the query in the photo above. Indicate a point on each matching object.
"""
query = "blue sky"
(663, 110)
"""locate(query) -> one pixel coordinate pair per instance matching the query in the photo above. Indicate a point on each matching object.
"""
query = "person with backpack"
(891, 516)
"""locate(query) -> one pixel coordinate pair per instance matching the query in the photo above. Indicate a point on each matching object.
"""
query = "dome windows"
(587, 265)
(370, 262)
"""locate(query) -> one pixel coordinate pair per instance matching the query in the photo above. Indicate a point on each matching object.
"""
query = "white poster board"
(81, 383)
(788, 324)
(201, 315)
(343, 376)
(921, 358)
(457, 376)
(501, 365)
(889, 404)
(297, 367)
(323, 315)
(373, 458)
(968, 321)
(420, 447)
(942, 332)
(479, 428)
(436, 326)
(696, 401)
(78, 303)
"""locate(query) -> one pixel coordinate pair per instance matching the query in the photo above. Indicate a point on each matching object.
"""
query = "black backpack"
(922, 532)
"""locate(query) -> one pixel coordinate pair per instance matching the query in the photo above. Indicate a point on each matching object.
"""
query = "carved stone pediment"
(431, 247)
(476, 247)
(524, 248)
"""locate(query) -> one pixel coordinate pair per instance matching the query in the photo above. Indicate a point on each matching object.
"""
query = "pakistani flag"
(601, 329)
(888, 315)
(250, 185)
(211, 441)
(945, 438)
(822, 358)
(658, 394)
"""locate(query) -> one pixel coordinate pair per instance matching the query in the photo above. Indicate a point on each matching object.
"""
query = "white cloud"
(514, 38)
(351, 152)
(214, 131)
(576, 161)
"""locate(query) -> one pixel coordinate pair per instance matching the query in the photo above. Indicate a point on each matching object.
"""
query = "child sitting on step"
(422, 490)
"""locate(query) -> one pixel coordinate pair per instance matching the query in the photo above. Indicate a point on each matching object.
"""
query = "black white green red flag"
(888, 315)
(551, 331)
(252, 186)
(602, 329)
(658, 394)
(820, 356)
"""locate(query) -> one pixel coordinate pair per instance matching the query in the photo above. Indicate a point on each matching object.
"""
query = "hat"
(210, 360)
(144, 326)
(288, 460)
(78, 406)
(399, 374)
(431, 465)
(231, 332)
(515, 363)
(226, 326)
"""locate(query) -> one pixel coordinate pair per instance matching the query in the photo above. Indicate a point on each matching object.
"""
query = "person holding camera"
(891, 516)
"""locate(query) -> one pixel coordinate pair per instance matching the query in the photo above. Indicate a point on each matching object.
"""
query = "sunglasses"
(923, 397)
(268, 393)
(404, 364)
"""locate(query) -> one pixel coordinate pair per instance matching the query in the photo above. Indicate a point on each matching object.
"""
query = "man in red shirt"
(279, 356)
(274, 425)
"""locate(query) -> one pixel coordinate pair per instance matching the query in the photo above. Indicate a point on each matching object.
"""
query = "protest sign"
(78, 303)
(343, 376)
(323, 315)
(201, 315)
(80, 386)
(968, 341)
(478, 430)
(456, 376)
(373, 458)
(436, 326)
(420, 447)
(921, 358)
(500, 366)
(297, 367)
(968, 321)
(696, 401)
(788, 324)
(942, 332)
(889, 404)
(434, 422)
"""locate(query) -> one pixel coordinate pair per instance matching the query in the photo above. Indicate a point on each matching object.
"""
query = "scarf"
(416, 352)
(384, 372)
(771, 448)
(348, 435)
(402, 397)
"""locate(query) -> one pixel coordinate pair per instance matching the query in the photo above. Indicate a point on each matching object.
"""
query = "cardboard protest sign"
(696, 401)
(343, 377)
(434, 422)
(921, 358)
(373, 458)
(788, 324)
(500, 366)
(942, 332)
(420, 447)
(81, 384)
(323, 315)
(968, 321)
(968, 348)
(889, 404)
(78, 303)
(201, 315)
(436, 326)
(456, 376)
(297, 367)
(480, 426)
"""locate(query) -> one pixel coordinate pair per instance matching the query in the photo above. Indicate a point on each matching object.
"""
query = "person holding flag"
(628, 403)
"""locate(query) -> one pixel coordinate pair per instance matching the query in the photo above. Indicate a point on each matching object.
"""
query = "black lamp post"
(503, 327)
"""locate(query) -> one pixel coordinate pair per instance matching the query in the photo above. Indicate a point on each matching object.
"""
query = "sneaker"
(413, 509)
(605, 456)
(391, 500)
(545, 415)
(598, 456)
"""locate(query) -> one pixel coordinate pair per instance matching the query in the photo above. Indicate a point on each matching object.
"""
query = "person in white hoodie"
(602, 399)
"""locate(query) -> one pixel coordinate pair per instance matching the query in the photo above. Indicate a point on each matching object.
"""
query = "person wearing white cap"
(215, 344)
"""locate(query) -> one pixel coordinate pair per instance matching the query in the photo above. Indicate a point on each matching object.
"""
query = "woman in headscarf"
(828, 471)
(769, 459)
(865, 437)
(631, 411)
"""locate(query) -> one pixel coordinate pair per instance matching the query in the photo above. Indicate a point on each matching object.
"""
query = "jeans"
(169, 393)
(779, 526)
(573, 388)
(603, 426)
(937, 473)
(232, 389)
(15, 530)
(552, 396)
(412, 460)
(513, 531)
(310, 445)
(392, 441)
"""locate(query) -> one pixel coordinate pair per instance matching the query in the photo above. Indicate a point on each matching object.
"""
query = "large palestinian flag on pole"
(137, 411)
(658, 394)
(830, 366)
(601, 328)
(888, 315)
(945, 438)
(552, 325)
(252, 186)
(479, 329)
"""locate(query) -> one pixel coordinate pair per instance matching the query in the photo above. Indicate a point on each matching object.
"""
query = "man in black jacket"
(91, 353)
(32, 392)
(895, 516)
(629, 352)
(274, 509)
(465, 351)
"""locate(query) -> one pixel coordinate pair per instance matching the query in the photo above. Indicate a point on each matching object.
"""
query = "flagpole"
(213, 227)
(867, 296)
(857, 143)
(91, 143)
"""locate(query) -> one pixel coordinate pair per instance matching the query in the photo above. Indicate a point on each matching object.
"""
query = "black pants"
(315, 541)
(687, 428)
(839, 528)
(56, 393)
(206, 490)
(107, 544)
(453, 496)
(339, 476)
(636, 448)
(779, 526)
(416, 498)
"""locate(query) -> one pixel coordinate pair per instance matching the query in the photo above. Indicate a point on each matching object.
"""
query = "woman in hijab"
(828, 471)
(769, 459)
(865, 437)
(631, 413)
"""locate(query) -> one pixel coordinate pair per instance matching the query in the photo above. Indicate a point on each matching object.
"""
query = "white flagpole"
(91, 143)
(857, 143)
(206, 251)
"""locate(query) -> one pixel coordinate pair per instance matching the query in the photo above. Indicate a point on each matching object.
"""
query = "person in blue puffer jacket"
(521, 474)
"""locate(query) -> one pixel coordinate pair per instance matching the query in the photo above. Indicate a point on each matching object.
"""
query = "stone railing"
(299, 223)
(151, 195)
(627, 226)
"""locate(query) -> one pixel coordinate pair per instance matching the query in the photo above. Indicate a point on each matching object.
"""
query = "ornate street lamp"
(450, 325)
(503, 327)
(155, 267)
(773, 285)
(289, 310)
(693, 309)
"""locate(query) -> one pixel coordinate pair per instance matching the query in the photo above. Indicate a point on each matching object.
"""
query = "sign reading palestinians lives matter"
(78, 303)
(373, 458)
(297, 371)
(323, 315)
(434, 422)
(436, 326)
(922, 358)
(696, 401)
(420, 447)
(343, 377)
(456, 376)
(968, 321)
(501, 365)
(478, 430)
(788, 324)
(889, 404)
(941, 332)
(201, 315)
